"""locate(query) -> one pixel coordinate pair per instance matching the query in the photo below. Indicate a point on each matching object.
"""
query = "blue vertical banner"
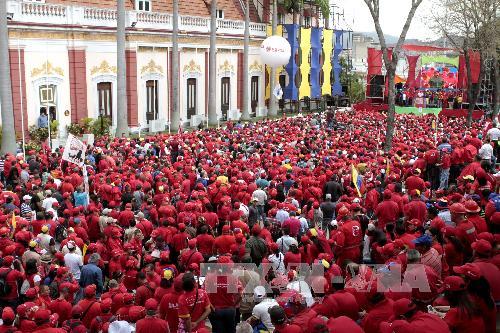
(290, 92)
(316, 49)
(337, 49)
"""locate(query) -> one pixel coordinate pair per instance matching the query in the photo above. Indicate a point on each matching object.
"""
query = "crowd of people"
(162, 235)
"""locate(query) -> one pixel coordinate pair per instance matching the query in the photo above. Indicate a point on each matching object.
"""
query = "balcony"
(43, 13)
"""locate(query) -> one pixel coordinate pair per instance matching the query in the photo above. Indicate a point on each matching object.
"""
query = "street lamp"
(101, 115)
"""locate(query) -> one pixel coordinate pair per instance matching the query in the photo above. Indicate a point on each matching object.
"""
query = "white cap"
(371, 227)
(328, 196)
(334, 223)
(259, 293)
(27, 197)
(70, 245)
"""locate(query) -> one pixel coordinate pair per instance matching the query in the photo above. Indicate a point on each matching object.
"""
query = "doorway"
(254, 94)
(225, 96)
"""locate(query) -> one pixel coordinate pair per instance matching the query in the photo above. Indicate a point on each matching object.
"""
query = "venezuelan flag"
(357, 180)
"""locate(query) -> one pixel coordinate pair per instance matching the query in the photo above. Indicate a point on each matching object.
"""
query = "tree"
(8, 131)
(390, 64)
(212, 80)
(122, 110)
(353, 81)
(273, 110)
(471, 25)
(245, 115)
(175, 117)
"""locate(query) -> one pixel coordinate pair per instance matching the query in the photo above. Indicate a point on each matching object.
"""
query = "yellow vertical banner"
(305, 66)
(279, 32)
(326, 88)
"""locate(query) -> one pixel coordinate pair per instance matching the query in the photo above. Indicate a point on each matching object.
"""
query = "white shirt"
(74, 262)
(493, 133)
(47, 203)
(284, 243)
(261, 197)
(260, 312)
(282, 216)
(486, 152)
(303, 288)
(277, 262)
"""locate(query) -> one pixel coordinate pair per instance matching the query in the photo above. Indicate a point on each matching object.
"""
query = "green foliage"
(294, 6)
(32, 145)
(91, 126)
(354, 82)
(39, 135)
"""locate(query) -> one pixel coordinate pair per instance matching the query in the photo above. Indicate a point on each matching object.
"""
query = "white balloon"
(275, 51)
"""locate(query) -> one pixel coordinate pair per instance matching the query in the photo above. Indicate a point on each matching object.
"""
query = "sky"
(392, 17)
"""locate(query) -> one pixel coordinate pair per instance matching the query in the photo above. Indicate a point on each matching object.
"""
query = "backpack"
(496, 201)
(5, 288)
(61, 233)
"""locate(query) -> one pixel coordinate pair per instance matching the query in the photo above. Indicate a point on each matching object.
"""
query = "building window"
(151, 100)
(105, 100)
(143, 5)
(47, 94)
(191, 97)
(220, 14)
(281, 18)
(307, 21)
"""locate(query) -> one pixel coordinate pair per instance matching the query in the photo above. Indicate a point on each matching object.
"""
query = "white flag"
(277, 91)
(74, 151)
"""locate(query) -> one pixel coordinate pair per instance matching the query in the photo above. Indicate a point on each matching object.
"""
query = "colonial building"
(63, 59)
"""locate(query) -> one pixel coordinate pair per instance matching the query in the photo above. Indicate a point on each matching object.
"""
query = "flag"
(74, 151)
(388, 167)
(13, 221)
(356, 180)
(84, 250)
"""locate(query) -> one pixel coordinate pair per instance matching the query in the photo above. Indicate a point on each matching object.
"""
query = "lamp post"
(101, 115)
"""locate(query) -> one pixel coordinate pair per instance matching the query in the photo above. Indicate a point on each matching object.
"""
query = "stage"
(452, 113)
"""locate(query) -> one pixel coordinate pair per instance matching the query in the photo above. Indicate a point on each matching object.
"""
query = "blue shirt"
(81, 199)
(43, 121)
(91, 274)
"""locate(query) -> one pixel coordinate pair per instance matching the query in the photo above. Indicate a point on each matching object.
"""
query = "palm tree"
(272, 79)
(8, 132)
(245, 115)
(212, 108)
(174, 120)
(121, 112)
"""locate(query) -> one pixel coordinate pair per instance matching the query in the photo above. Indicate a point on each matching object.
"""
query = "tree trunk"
(273, 111)
(391, 111)
(8, 131)
(473, 89)
(212, 71)
(496, 94)
(122, 109)
(175, 117)
(245, 114)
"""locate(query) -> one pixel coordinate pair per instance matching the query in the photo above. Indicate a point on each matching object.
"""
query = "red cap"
(8, 314)
(387, 194)
(454, 283)
(76, 310)
(136, 313)
(128, 298)
(90, 290)
(317, 325)
(31, 293)
(256, 229)
(472, 207)
(151, 304)
(487, 236)
(129, 205)
(469, 270)
(458, 208)
(274, 247)
(482, 247)
(226, 228)
(343, 211)
(42, 316)
(106, 304)
(397, 326)
(192, 243)
(402, 306)
(182, 226)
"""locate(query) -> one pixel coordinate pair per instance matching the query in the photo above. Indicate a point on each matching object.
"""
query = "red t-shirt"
(205, 243)
(193, 304)
(12, 279)
(222, 290)
(460, 323)
(168, 309)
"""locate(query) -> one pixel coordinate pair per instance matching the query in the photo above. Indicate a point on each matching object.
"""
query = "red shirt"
(492, 274)
(379, 313)
(387, 211)
(428, 323)
(188, 307)
(205, 244)
(294, 225)
(341, 303)
(151, 325)
(222, 290)
(168, 309)
(460, 323)
(63, 308)
(143, 293)
(222, 244)
(414, 183)
(91, 308)
(416, 209)
(13, 279)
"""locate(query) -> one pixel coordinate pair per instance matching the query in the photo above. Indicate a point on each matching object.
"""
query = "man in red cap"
(190, 255)
(387, 211)
(60, 305)
(466, 230)
(194, 305)
(349, 240)
(145, 289)
(482, 250)
(380, 309)
(151, 323)
(414, 182)
(416, 208)
(101, 322)
(169, 304)
(89, 305)
(473, 210)
(405, 309)
(75, 324)
(13, 279)
(223, 243)
(42, 321)
(8, 317)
